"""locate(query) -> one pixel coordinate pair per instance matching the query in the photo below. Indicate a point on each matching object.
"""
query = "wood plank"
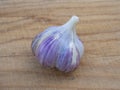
(99, 29)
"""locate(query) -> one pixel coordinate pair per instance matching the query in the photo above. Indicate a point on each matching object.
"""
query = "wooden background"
(99, 29)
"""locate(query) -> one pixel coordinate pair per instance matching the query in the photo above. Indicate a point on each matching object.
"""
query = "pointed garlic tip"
(72, 22)
(74, 19)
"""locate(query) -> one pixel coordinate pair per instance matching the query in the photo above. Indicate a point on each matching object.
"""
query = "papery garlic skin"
(59, 46)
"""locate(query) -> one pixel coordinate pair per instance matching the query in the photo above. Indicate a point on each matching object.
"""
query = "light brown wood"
(99, 29)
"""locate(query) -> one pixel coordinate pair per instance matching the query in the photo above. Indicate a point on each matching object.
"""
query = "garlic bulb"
(59, 46)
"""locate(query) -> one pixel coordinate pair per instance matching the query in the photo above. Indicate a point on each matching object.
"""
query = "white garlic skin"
(59, 46)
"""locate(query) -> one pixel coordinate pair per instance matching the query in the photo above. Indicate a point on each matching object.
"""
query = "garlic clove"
(59, 46)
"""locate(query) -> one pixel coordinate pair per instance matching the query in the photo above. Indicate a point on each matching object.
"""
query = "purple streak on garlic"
(59, 46)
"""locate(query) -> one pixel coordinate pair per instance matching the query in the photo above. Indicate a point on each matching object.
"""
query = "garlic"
(59, 46)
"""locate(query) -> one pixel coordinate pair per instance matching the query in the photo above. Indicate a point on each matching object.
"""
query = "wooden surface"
(99, 29)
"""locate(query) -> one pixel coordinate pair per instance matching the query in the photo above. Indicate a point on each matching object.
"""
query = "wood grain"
(99, 29)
